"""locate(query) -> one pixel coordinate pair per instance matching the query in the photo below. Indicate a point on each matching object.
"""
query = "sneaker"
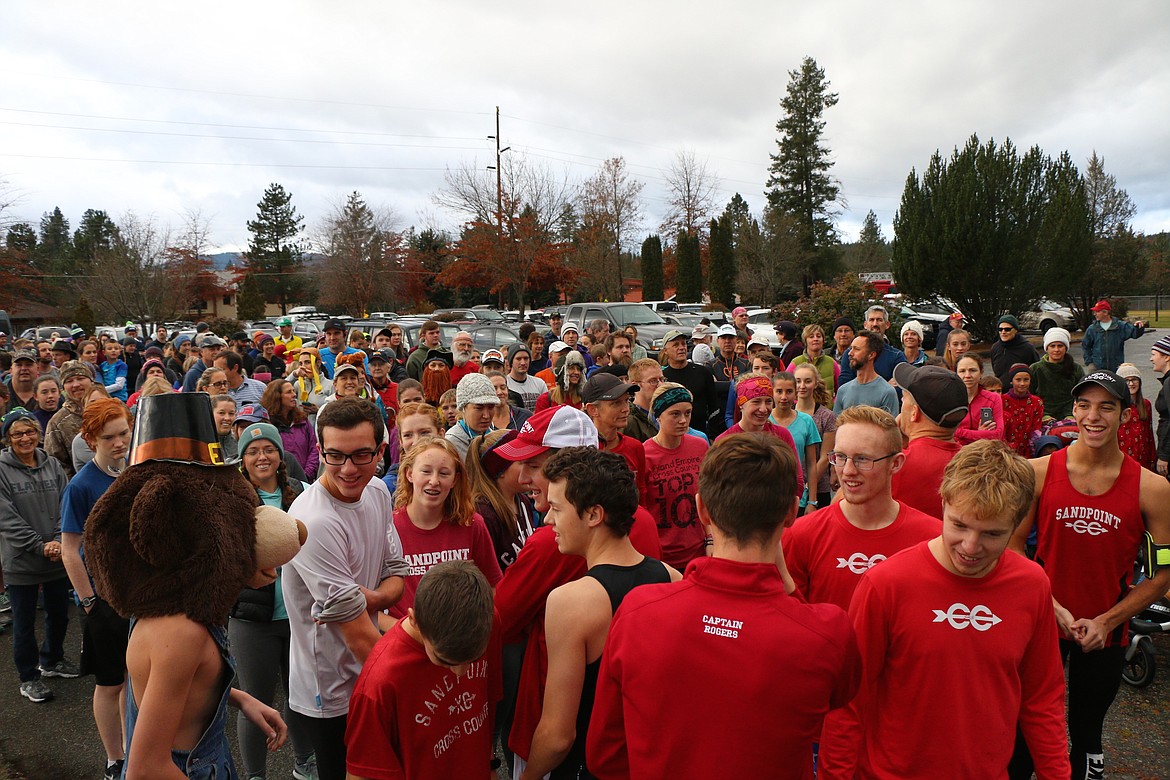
(61, 669)
(306, 770)
(114, 770)
(35, 691)
(5, 604)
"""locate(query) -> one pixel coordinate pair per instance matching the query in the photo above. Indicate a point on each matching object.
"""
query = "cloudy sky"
(162, 108)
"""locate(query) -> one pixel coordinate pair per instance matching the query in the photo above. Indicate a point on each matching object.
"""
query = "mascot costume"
(171, 544)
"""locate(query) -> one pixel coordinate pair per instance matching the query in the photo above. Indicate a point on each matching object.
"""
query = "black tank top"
(617, 581)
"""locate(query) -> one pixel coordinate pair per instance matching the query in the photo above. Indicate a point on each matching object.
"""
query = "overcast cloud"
(381, 97)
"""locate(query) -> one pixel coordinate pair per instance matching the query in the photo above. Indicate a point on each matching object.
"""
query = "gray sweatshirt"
(30, 515)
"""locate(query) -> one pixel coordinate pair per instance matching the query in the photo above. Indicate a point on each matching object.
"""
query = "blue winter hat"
(15, 416)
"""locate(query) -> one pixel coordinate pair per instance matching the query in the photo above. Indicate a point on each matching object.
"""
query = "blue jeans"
(24, 620)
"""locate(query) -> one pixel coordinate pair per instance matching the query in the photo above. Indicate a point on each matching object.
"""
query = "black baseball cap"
(938, 392)
(1108, 381)
(605, 387)
(333, 324)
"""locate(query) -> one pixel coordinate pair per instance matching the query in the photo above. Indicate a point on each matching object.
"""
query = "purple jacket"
(301, 442)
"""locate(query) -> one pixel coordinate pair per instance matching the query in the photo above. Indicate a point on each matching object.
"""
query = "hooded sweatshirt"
(30, 516)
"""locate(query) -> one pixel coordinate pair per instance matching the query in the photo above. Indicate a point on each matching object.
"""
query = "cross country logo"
(1092, 528)
(860, 563)
(960, 616)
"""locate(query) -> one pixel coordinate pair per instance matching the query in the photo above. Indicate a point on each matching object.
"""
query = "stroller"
(1140, 665)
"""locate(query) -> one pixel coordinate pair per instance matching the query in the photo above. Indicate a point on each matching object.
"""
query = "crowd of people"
(567, 547)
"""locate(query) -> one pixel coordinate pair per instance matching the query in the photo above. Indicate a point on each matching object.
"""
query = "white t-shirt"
(530, 389)
(347, 544)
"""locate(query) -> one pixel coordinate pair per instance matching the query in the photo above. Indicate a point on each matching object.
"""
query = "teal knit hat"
(260, 430)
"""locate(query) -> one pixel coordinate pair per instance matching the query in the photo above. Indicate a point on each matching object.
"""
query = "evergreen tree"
(21, 238)
(275, 254)
(54, 244)
(991, 230)
(873, 252)
(652, 281)
(721, 279)
(799, 183)
(84, 317)
(97, 233)
(250, 303)
(1117, 260)
(690, 269)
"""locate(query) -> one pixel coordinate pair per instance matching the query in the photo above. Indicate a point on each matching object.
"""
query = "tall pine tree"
(721, 279)
(799, 183)
(275, 255)
(652, 282)
(690, 269)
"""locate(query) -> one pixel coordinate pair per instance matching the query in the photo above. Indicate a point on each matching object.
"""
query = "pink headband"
(752, 387)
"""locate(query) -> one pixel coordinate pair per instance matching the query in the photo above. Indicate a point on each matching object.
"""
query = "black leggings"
(1093, 681)
(328, 738)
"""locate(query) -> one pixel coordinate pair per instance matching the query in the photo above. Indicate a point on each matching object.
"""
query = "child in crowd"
(1022, 411)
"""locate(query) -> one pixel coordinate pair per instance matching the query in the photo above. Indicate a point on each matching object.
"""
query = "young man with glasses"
(1011, 348)
(827, 551)
(350, 569)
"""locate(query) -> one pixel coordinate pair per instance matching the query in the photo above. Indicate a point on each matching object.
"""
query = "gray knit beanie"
(475, 389)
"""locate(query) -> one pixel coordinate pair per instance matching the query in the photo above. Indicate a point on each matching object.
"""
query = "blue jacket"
(1106, 348)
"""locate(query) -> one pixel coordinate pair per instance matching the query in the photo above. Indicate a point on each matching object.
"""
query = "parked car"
(661, 306)
(484, 315)
(651, 327)
(1047, 315)
(46, 332)
(762, 327)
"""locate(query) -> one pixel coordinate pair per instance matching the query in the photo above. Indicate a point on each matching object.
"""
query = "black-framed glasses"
(24, 434)
(359, 458)
(1008, 329)
(860, 462)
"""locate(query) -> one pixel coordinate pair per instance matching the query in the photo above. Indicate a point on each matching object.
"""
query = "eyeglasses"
(222, 383)
(359, 458)
(1008, 329)
(860, 462)
(23, 434)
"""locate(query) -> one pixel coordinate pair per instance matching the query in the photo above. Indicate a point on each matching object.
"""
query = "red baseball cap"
(1103, 305)
(550, 429)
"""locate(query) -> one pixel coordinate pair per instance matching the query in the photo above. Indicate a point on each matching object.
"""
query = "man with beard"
(620, 349)
(436, 375)
(868, 388)
(77, 379)
(463, 355)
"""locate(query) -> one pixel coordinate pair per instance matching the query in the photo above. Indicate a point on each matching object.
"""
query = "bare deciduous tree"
(611, 209)
(692, 195)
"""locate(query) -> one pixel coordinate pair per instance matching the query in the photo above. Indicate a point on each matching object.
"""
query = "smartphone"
(986, 415)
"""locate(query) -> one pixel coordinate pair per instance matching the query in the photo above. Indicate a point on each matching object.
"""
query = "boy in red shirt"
(954, 631)
(425, 700)
(828, 551)
(1093, 507)
(686, 663)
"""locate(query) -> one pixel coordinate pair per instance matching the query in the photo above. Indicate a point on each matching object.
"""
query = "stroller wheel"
(1139, 670)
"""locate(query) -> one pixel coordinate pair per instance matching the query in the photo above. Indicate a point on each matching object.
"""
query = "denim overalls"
(211, 758)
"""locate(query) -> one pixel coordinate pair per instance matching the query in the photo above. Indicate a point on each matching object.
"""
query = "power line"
(242, 127)
(220, 163)
(251, 96)
(239, 137)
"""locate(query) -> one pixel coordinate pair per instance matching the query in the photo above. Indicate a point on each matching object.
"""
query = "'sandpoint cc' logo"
(860, 563)
(960, 616)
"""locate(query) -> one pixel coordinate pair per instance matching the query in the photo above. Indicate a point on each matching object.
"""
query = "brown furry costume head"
(173, 537)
